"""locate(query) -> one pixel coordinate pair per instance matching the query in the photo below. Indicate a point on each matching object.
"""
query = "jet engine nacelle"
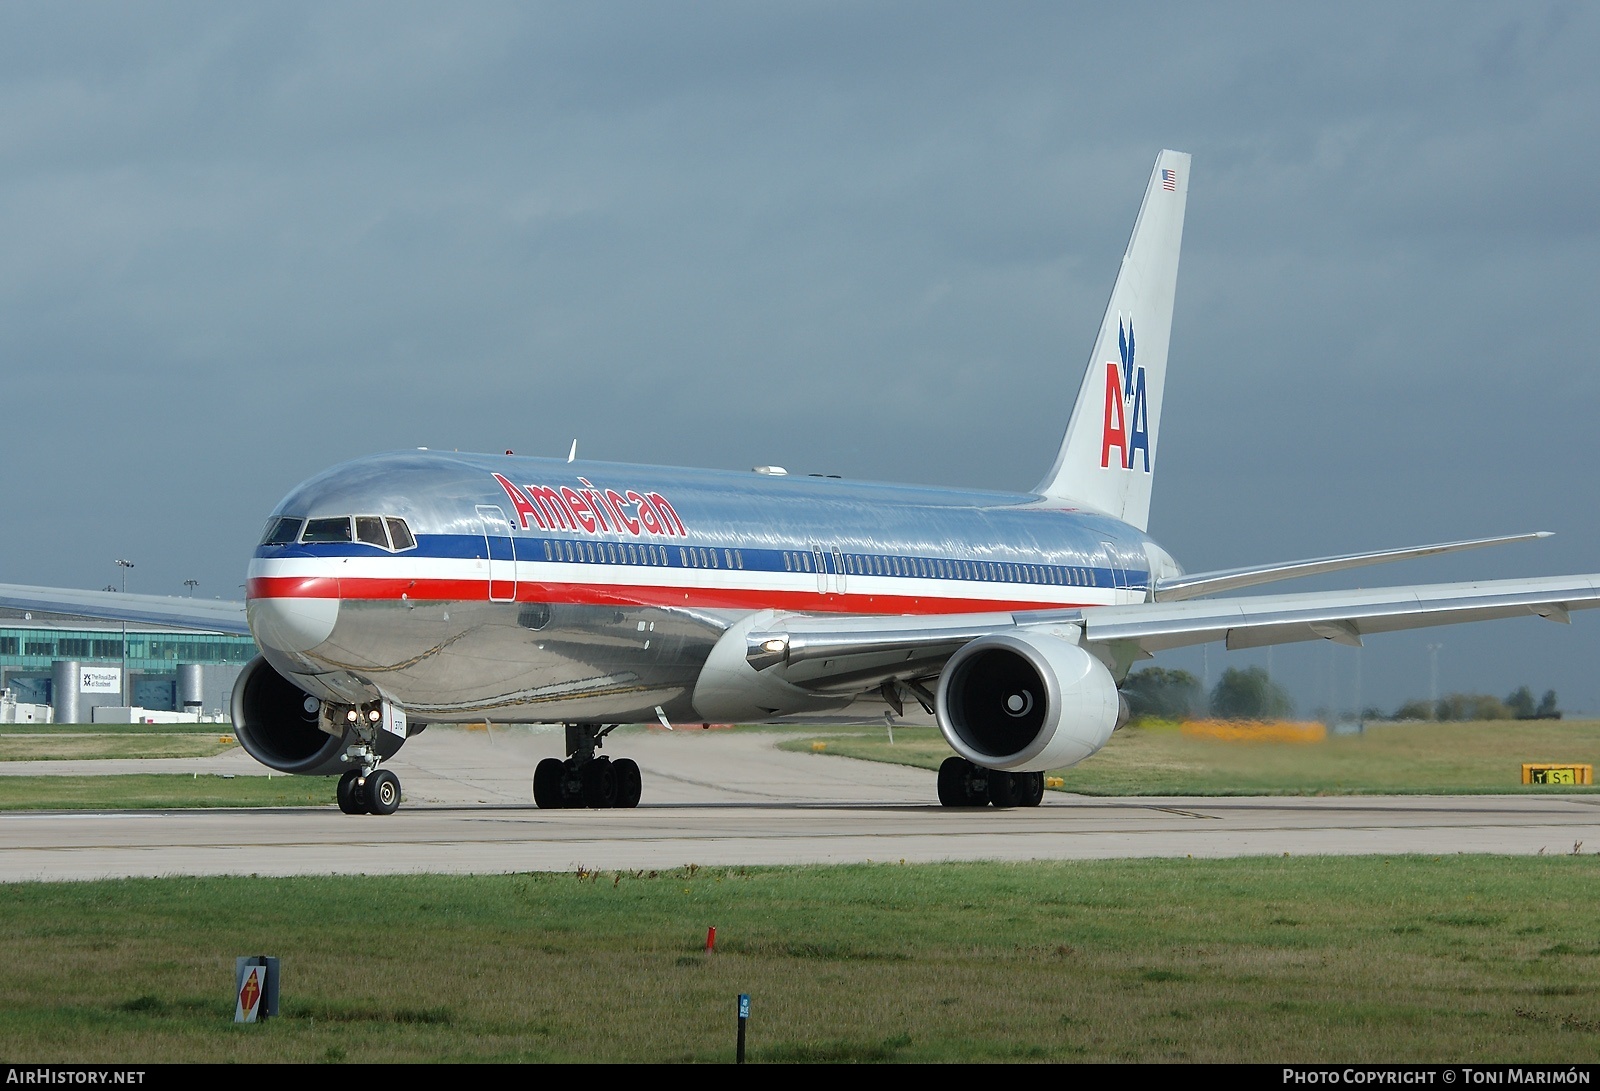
(1026, 702)
(278, 724)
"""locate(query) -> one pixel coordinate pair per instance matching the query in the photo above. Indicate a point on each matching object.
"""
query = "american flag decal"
(1169, 180)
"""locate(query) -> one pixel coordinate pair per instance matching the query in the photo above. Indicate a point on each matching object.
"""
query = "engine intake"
(277, 723)
(1026, 702)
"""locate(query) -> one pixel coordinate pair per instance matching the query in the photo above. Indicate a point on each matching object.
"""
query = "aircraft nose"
(294, 619)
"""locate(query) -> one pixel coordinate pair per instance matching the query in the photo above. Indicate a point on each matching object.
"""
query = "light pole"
(191, 585)
(124, 566)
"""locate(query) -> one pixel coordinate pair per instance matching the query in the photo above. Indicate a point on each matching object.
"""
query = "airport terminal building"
(74, 666)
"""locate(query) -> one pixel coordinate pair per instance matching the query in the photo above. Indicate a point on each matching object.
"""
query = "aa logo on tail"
(1127, 420)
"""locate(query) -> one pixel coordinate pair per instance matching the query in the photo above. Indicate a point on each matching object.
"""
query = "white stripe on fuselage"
(601, 575)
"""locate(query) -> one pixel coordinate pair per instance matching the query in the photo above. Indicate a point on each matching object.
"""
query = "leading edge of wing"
(1244, 622)
(1341, 616)
(204, 615)
(1197, 584)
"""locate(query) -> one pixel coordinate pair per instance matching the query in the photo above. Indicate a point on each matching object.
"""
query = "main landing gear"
(587, 779)
(963, 784)
(377, 792)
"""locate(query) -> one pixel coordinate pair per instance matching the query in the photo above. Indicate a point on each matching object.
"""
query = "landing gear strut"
(587, 779)
(963, 784)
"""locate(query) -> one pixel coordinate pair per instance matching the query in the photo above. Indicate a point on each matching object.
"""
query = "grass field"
(1306, 959)
(55, 730)
(1386, 758)
(83, 746)
(160, 792)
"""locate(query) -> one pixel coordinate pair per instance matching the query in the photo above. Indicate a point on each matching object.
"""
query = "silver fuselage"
(540, 590)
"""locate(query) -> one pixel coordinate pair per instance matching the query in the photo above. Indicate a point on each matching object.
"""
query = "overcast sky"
(240, 243)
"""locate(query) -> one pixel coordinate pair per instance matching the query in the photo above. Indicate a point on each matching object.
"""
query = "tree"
(1158, 694)
(1520, 702)
(1547, 709)
(1471, 706)
(1250, 694)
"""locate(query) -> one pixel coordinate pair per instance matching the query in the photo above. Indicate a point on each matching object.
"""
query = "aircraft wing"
(1197, 584)
(204, 615)
(817, 652)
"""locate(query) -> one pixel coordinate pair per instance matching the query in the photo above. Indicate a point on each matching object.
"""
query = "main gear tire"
(547, 784)
(1032, 788)
(630, 782)
(599, 784)
(352, 797)
(382, 792)
(1006, 789)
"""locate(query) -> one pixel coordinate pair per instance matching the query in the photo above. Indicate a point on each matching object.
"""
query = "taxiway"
(730, 798)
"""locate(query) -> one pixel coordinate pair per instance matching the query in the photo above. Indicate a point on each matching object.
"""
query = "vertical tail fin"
(1107, 459)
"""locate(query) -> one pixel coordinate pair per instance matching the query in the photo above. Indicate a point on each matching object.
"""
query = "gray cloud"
(243, 243)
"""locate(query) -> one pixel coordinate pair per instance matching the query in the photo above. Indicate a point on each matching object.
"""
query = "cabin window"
(327, 530)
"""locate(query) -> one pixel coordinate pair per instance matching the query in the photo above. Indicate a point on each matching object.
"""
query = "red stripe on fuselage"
(735, 598)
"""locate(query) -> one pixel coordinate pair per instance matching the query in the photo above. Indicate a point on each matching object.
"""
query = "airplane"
(420, 587)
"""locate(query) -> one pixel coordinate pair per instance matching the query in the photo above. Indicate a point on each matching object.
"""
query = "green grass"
(161, 791)
(85, 747)
(1305, 959)
(1466, 758)
(51, 730)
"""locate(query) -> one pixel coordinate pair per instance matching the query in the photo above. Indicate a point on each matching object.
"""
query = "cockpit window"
(400, 534)
(385, 532)
(369, 529)
(281, 531)
(327, 530)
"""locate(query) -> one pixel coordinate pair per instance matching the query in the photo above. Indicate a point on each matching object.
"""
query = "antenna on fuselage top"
(572, 455)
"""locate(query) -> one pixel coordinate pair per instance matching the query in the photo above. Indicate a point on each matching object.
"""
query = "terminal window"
(73, 646)
(34, 647)
(8, 645)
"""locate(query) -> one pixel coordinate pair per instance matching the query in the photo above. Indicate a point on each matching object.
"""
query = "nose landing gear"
(377, 792)
(366, 789)
(585, 778)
